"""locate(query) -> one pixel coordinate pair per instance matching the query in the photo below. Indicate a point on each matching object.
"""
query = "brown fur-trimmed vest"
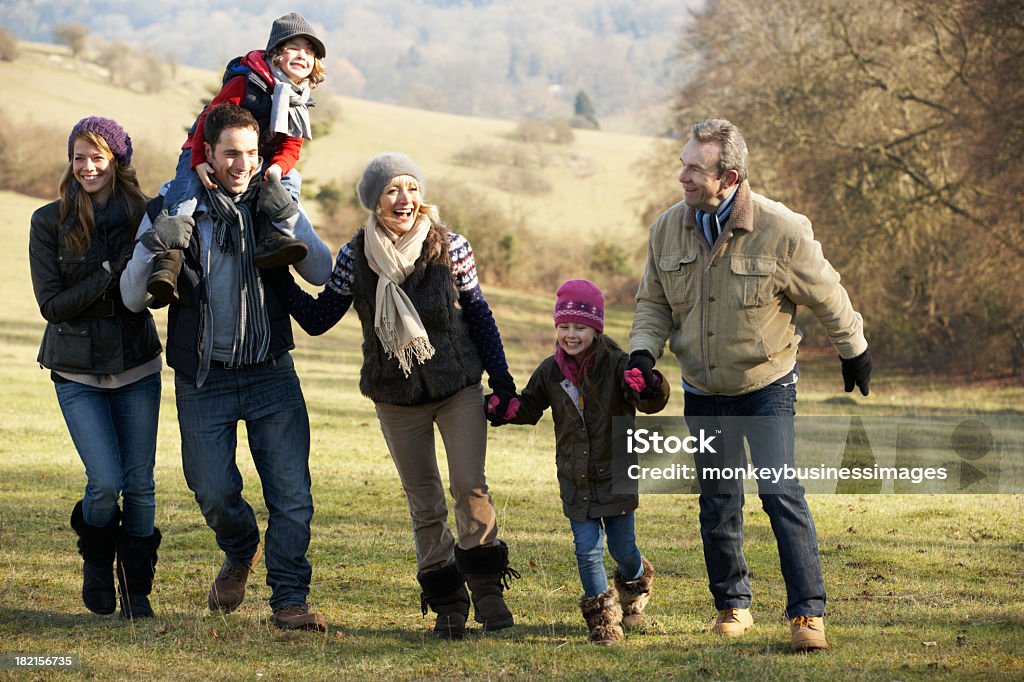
(456, 363)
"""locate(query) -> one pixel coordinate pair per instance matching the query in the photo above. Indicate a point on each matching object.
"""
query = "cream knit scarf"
(396, 321)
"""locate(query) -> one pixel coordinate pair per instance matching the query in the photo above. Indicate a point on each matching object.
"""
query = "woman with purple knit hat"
(104, 361)
(586, 385)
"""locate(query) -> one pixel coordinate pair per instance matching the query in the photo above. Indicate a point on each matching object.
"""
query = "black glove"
(644, 362)
(275, 202)
(168, 232)
(857, 371)
(502, 405)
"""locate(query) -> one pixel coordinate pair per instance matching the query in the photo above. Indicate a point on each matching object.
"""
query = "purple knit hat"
(111, 132)
(580, 301)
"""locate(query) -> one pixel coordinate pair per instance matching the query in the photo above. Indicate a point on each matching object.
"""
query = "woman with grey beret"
(428, 334)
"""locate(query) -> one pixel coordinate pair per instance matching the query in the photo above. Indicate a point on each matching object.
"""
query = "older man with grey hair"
(726, 270)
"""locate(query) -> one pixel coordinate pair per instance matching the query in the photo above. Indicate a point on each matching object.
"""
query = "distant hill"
(509, 59)
(548, 203)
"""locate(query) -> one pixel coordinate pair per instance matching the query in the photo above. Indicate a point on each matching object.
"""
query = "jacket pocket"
(679, 277)
(566, 484)
(753, 279)
(73, 267)
(70, 345)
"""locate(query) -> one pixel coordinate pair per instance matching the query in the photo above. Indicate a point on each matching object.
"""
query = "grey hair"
(730, 140)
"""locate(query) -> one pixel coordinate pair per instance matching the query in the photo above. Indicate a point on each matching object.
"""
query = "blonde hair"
(124, 181)
(316, 75)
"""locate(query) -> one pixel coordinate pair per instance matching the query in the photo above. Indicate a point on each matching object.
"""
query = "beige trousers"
(409, 433)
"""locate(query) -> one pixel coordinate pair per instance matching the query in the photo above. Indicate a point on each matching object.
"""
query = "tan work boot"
(807, 633)
(733, 622)
(229, 586)
(298, 617)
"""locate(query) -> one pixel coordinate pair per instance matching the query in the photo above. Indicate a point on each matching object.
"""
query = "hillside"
(583, 191)
(479, 57)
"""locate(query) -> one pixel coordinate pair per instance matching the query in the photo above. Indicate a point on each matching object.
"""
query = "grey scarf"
(289, 112)
(233, 216)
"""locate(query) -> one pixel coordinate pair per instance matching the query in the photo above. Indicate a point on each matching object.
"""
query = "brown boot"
(634, 594)
(298, 617)
(275, 250)
(444, 591)
(163, 283)
(807, 633)
(229, 587)
(488, 575)
(604, 617)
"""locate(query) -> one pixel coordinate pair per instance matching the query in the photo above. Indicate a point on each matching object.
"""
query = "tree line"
(897, 126)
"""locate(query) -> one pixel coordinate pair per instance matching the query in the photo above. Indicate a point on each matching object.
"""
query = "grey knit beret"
(111, 132)
(380, 171)
(291, 25)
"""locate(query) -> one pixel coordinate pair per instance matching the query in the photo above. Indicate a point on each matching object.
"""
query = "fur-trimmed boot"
(444, 591)
(604, 617)
(163, 282)
(634, 594)
(136, 566)
(97, 545)
(488, 575)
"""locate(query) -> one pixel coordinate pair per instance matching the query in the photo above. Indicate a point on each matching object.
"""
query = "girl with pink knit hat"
(585, 384)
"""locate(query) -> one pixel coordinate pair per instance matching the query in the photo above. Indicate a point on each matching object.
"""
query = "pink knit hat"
(580, 301)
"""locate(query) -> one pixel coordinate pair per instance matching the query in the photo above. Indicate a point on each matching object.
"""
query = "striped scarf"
(233, 215)
(712, 222)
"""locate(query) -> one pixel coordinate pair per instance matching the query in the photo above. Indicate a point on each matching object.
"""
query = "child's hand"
(273, 172)
(499, 415)
(204, 170)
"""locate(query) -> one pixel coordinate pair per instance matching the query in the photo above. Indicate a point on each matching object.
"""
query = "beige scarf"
(396, 321)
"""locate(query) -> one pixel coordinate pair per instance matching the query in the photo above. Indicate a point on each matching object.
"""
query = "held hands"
(275, 202)
(857, 371)
(168, 232)
(640, 376)
(502, 406)
(204, 171)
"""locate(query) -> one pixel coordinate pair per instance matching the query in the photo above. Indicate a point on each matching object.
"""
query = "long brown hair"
(124, 183)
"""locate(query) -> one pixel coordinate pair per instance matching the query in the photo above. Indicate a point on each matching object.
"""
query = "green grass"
(920, 587)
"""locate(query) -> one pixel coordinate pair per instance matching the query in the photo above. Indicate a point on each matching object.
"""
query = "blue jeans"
(588, 537)
(180, 198)
(721, 505)
(114, 431)
(269, 400)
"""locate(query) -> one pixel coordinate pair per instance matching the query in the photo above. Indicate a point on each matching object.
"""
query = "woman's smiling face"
(400, 204)
(92, 168)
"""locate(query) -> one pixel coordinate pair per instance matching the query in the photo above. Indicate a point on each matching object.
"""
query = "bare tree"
(8, 45)
(72, 34)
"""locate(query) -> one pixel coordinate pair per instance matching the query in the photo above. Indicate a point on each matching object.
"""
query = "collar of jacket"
(256, 60)
(741, 218)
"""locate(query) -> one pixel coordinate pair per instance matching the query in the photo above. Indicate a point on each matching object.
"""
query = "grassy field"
(920, 587)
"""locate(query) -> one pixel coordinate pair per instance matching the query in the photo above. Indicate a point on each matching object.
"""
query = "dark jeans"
(768, 428)
(114, 431)
(269, 400)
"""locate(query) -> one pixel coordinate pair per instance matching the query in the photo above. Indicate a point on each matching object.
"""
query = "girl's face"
(296, 59)
(92, 168)
(574, 338)
(400, 204)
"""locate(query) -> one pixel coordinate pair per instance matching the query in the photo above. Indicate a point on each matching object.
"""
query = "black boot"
(488, 574)
(444, 590)
(163, 282)
(97, 545)
(274, 250)
(136, 565)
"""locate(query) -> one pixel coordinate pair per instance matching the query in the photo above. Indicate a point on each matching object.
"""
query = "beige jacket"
(729, 313)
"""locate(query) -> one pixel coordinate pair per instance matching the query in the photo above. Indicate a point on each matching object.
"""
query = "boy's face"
(296, 59)
(235, 158)
(574, 338)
